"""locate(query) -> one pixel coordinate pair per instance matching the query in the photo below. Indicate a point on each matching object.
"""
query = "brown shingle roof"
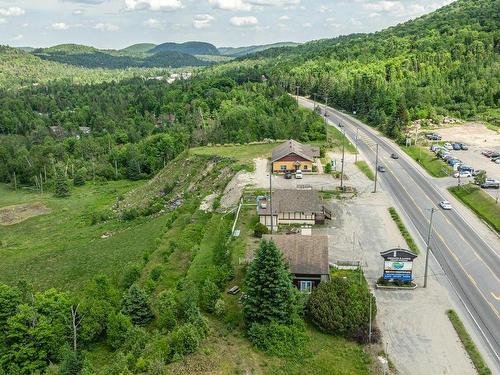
(289, 200)
(307, 255)
(306, 151)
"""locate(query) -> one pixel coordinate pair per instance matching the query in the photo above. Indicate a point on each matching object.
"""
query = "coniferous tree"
(270, 295)
(61, 188)
(136, 305)
(78, 179)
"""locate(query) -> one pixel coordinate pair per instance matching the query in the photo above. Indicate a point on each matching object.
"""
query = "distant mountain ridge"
(192, 48)
(139, 47)
(243, 51)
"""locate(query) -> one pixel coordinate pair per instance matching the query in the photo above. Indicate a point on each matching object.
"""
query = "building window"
(305, 167)
(283, 167)
(305, 286)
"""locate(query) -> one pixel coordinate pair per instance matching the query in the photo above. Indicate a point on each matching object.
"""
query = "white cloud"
(307, 24)
(2, 20)
(244, 21)
(202, 21)
(18, 37)
(385, 6)
(78, 12)
(60, 26)
(284, 18)
(12, 11)
(274, 2)
(373, 15)
(104, 26)
(153, 23)
(238, 5)
(154, 5)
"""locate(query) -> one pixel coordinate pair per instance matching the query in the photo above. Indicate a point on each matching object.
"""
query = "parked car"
(497, 160)
(478, 171)
(298, 174)
(453, 161)
(433, 137)
(395, 156)
(463, 146)
(288, 176)
(381, 168)
(456, 146)
(462, 174)
(448, 146)
(494, 159)
(435, 148)
(490, 184)
(447, 157)
(494, 155)
(445, 205)
(466, 168)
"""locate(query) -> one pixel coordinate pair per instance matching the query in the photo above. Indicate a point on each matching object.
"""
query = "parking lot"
(479, 139)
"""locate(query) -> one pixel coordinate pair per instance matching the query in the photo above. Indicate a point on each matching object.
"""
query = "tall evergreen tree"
(136, 305)
(61, 188)
(270, 295)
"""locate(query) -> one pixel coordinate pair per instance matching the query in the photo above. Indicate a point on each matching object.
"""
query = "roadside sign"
(398, 264)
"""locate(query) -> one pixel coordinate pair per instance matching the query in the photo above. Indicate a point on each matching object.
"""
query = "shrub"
(210, 293)
(132, 274)
(117, 330)
(166, 307)
(328, 168)
(78, 179)
(130, 214)
(278, 339)
(184, 340)
(220, 307)
(259, 230)
(156, 273)
(340, 306)
(61, 185)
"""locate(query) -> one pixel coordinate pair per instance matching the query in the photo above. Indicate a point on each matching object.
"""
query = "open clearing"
(15, 214)
(472, 133)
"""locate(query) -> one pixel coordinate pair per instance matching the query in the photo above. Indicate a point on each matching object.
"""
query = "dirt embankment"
(15, 214)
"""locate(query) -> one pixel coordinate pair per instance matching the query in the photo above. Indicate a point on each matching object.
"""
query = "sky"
(225, 23)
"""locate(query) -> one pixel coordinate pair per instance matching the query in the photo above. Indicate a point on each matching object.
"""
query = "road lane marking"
(495, 296)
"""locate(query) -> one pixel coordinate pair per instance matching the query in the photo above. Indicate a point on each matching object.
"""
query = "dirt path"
(15, 214)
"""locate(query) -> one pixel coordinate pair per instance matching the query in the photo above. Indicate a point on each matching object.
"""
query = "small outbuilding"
(307, 258)
(292, 156)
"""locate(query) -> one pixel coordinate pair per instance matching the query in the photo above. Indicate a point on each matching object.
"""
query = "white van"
(298, 174)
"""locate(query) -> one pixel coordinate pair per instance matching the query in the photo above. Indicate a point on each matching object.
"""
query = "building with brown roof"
(301, 207)
(307, 258)
(292, 155)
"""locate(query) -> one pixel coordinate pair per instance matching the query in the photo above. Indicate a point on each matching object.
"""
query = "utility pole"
(270, 195)
(376, 170)
(496, 199)
(15, 181)
(370, 322)
(428, 247)
(297, 88)
(326, 104)
(342, 168)
(356, 145)
(314, 102)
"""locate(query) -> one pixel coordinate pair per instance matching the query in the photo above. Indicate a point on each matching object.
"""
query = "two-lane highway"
(471, 263)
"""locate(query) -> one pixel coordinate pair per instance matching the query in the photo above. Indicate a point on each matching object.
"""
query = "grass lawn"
(62, 249)
(469, 345)
(365, 168)
(479, 202)
(335, 138)
(242, 153)
(429, 161)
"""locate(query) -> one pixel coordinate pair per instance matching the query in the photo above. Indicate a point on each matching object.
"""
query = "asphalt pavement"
(470, 260)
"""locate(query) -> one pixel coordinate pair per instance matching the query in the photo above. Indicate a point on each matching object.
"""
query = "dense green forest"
(444, 63)
(91, 57)
(243, 51)
(19, 69)
(135, 126)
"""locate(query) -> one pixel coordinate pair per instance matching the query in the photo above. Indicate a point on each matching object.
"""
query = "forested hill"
(192, 48)
(446, 62)
(91, 57)
(243, 51)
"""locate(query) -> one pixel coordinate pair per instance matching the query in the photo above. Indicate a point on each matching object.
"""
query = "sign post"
(398, 264)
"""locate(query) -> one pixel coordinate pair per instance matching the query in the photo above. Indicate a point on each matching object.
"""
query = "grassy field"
(62, 249)
(242, 153)
(365, 168)
(335, 139)
(469, 345)
(479, 202)
(429, 161)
